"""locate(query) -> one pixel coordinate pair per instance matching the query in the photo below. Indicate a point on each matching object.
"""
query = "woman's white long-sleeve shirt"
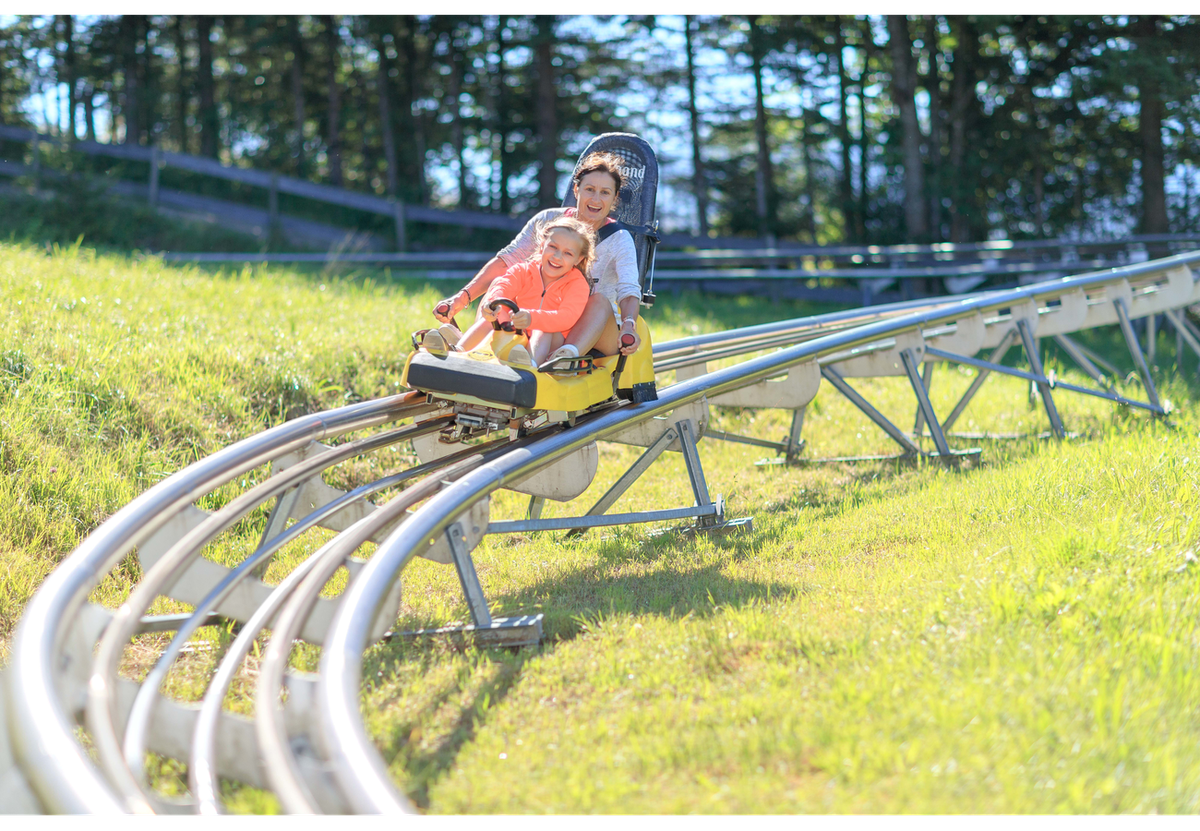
(615, 272)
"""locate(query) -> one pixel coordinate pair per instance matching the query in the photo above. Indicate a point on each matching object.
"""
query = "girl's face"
(595, 196)
(562, 252)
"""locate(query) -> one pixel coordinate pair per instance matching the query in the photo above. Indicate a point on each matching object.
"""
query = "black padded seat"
(481, 379)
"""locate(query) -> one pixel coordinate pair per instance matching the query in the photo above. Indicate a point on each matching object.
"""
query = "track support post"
(925, 408)
(1043, 386)
(707, 513)
(834, 377)
(795, 444)
(513, 632)
(1135, 350)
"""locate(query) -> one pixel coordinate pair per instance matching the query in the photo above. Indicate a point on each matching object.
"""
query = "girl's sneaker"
(568, 350)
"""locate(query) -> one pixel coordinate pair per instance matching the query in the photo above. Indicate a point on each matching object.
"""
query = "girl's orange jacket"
(554, 308)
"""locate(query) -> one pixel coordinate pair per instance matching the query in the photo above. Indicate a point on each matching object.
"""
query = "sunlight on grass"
(1018, 635)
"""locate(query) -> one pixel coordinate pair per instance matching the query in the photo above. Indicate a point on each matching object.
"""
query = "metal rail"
(52, 648)
(357, 764)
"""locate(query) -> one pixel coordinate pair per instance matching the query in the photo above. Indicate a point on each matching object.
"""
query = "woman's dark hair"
(609, 163)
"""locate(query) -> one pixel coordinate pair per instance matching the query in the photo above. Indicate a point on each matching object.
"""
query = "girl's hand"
(522, 319)
(445, 309)
(628, 330)
(488, 314)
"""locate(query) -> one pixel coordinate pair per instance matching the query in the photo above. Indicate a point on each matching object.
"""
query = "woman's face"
(595, 196)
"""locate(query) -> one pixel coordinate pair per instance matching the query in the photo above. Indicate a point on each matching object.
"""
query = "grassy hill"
(1016, 636)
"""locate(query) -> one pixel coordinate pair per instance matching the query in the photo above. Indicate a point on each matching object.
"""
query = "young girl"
(550, 289)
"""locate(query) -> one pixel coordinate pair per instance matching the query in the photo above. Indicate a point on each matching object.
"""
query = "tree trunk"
(962, 96)
(147, 85)
(547, 116)
(501, 128)
(846, 182)
(1150, 119)
(384, 88)
(210, 125)
(297, 73)
(903, 90)
(89, 111)
(333, 112)
(458, 133)
(70, 71)
(864, 136)
(810, 179)
(412, 124)
(129, 83)
(699, 188)
(933, 156)
(762, 173)
(182, 89)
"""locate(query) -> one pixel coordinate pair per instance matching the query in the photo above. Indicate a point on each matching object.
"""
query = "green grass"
(1017, 636)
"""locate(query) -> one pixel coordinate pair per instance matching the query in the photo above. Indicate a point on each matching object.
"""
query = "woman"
(612, 309)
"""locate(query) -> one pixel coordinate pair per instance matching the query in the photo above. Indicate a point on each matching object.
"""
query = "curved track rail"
(312, 749)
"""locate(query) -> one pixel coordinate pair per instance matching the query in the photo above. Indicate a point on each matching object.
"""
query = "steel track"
(307, 742)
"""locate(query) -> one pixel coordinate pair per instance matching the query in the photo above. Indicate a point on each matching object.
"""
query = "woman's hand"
(628, 329)
(522, 319)
(445, 309)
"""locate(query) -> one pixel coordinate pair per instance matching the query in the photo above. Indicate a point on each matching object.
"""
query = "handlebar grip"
(442, 308)
(627, 339)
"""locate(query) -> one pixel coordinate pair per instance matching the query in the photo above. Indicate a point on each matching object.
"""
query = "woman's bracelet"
(629, 320)
(467, 293)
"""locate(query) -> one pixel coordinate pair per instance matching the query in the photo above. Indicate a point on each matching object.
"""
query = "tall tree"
(210, 125)
(547, 109)
(333, 112)
(763, 178)
(904, 87)
(1150, 125)
(699, 184)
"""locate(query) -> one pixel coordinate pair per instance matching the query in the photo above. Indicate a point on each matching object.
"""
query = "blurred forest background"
(822, 129)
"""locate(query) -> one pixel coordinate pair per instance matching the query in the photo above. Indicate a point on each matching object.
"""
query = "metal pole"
(919, 386)
(794, 443)
(1151, 337)
(691, 459)
(1043, 387)
(926, 381)
(1135, 350)
(472, 591)
(834, 377)
(1098, 360)
(1072, 349)
(536, 503)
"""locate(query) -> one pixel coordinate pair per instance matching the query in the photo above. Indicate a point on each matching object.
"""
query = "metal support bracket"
(708, 513)
(465, 567)
(1043, 385)
(1135, 350)
(920, 387)
(1036, 379)
(277, 521)
(1081, 360)
(834, 377)
(485, 631)
(926, 382)
(795, 444)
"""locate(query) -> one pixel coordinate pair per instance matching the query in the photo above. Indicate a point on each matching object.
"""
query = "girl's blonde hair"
(587, 241)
